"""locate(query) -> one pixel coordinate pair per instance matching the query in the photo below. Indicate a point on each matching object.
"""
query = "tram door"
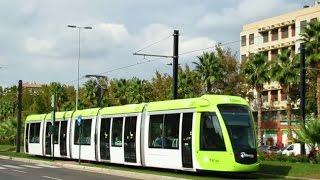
(63, 138)
(130, 139)
(26, 138)
(105, 139)
(187, 140)
(48, 139)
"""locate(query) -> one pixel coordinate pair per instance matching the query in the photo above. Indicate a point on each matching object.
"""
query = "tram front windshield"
(239, 123)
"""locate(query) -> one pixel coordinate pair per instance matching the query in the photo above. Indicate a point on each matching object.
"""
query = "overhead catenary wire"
(181, 54)
(154, 43)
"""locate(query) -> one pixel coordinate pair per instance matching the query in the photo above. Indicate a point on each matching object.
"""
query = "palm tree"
(256, 73)
(311, 39)
(209, 69)
(310, 133)
(8, 131)
(285, 70)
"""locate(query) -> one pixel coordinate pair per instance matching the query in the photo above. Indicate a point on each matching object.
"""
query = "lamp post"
(78, 68)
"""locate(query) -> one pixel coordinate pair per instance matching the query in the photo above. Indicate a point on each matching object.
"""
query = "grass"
(290, 169)
(267, 168)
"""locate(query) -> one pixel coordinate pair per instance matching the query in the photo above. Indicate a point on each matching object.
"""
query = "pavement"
(14, 168)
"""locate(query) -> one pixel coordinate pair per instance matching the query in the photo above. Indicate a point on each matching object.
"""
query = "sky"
(37, 46)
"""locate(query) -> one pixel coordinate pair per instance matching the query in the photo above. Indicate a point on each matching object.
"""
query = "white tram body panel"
(35, 142)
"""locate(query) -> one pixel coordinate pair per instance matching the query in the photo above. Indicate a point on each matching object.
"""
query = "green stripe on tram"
(59, 116)
(86, 113)
(36, 117)
(126, 109)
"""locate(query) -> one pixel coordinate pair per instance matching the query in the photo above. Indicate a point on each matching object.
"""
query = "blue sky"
(36, 45)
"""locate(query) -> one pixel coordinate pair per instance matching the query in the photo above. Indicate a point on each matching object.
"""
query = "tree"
(189, 83)
(285, 70)
(311, 39)
(8, 131)
(91, 89)
(231, 82)
(61, 94)
(161, 87)
(256, 74)
(310, 133)
(209, 69)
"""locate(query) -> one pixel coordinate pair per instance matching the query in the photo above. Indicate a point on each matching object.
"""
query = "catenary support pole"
(175, 63)
(302, 90)
(18, 140)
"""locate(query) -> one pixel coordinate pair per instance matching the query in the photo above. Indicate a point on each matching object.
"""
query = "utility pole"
(175, 63)
(302, 91)
(175, 58)
(19, 116)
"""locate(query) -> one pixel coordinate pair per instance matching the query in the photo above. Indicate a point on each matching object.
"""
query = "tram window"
(56, 132)
(171, 131)
(34, 133)
(85, 133)
(164, 132)
(211, 138)
(116, 140)
(155, 131)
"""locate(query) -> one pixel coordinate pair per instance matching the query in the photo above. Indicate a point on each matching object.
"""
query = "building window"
(251, 39)
(264, 96)
(85, 133)
(283, 95)
(274, 35)
(265, 36)
(274, 54)
(293, 30)
(303, 25)
(284, 32)
(313, 20)
(34, 133)
(274, 95)
(243, 40)
(243, 57)
(211, 138)
(164, 131)
(116, 140)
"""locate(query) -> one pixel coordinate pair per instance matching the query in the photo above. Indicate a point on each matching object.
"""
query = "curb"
(135, 175)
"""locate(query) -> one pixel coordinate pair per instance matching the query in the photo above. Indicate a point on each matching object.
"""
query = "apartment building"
(270, 36)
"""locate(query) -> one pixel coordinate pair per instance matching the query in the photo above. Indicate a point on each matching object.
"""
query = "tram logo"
(244, 155)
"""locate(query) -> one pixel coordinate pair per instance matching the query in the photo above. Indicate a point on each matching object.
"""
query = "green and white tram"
(212, 132)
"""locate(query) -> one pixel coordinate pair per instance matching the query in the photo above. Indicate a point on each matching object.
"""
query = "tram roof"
(86, 113)
(59, 116)
(125, 109)
(36, 117)
(203, 101)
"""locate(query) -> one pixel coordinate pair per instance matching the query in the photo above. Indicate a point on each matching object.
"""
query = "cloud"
(37, 45)
(229, 20)
(116, 32)
(40, 47)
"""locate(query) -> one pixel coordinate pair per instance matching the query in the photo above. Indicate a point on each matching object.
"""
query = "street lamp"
(77, 91)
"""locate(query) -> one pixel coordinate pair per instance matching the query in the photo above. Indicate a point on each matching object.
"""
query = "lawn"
(290, 169)
(267, 168)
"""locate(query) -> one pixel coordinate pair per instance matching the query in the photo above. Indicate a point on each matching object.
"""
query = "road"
(15, 170)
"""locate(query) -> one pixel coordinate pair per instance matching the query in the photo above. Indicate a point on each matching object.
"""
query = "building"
(270, 36)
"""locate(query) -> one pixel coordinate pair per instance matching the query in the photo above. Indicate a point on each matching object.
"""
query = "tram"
(211, 132)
